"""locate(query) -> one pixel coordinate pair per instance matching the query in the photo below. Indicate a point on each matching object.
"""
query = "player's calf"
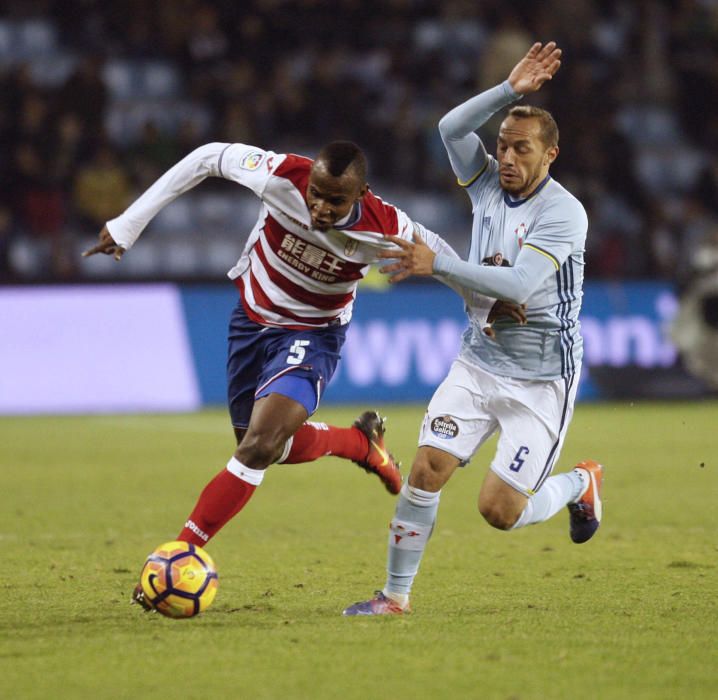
(498, 516)
(500, 505)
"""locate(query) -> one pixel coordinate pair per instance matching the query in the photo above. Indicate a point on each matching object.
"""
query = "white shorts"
(532, 417)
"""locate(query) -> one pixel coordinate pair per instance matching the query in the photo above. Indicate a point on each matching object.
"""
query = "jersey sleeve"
(514, 284)
(560, 232)
(467, 154)
(247, 165)
(243, 164)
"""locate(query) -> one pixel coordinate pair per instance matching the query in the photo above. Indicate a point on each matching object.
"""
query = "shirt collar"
(511, 202)
(350, 219)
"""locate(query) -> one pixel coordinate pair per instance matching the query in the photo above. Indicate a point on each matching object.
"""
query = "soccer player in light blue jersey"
(527, 247)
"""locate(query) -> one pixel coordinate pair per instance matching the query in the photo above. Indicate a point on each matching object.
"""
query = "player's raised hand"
(535, 68)
(410, 259)
(106, 246)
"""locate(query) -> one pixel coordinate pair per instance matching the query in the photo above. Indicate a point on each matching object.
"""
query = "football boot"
(378, 605)
(585, 514)
(378, 461)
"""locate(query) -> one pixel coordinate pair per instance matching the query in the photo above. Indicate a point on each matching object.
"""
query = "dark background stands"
(99, 98)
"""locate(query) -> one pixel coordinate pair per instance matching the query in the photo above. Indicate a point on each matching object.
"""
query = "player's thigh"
(245, 358)
(299, 364)
(533, 419)
(456, 420)
(259, 357)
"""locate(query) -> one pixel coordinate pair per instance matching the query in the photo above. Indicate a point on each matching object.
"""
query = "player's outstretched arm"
(514, 284)
(120, 234)
(417, 258)
(538, 66)
(480, 305)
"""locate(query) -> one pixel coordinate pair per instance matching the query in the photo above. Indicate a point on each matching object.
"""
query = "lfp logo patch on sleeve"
(251, 160)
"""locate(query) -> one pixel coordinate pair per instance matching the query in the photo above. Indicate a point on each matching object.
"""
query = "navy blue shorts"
(264, 360)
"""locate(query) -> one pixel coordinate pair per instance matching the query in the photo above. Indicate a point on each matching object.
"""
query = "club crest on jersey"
(251, 160)
(520, 232)
(351, 247)
(444, 427)
(487, 222)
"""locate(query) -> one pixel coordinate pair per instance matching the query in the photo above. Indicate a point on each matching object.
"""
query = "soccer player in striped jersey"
(319, 229)
(527, 246)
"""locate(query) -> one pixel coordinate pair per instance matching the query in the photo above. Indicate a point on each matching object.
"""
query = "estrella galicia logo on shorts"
(251, 160)
(444, 427)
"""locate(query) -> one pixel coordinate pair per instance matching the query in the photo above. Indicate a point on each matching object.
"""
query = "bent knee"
(257, 451)
(498, 515)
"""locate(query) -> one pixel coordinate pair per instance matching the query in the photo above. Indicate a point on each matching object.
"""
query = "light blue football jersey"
(552, 223)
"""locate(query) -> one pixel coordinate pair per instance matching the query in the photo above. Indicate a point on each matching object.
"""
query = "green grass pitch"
(518, 615)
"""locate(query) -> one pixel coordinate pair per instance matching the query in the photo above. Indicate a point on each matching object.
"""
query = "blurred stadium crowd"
(101, 96)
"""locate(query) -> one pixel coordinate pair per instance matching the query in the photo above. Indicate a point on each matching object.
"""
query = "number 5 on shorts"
(519, 458)
(297, 352)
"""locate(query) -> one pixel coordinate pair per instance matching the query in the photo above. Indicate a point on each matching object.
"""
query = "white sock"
(557, 492)
(409, 532)
(243, 472)
(585, 479)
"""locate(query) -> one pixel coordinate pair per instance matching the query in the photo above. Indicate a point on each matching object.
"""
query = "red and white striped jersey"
(289, 274)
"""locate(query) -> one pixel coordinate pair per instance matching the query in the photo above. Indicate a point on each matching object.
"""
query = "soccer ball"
(179, 579)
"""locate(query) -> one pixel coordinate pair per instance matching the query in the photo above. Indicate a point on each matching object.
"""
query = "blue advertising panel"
(626, 324)
(207, 309)
(170, 345)
(402, 341)
(94, 349)
(400, 344)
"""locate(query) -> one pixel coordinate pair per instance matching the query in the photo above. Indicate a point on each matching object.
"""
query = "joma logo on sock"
(200, 533)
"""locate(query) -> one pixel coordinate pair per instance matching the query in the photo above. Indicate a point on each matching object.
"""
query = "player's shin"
(409, 532)
(220, 501)
(553, 496)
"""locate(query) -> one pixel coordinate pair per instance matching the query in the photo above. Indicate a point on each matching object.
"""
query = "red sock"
(314, 440)
(219, 502)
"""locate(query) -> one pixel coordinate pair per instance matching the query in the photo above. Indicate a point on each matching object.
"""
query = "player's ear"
(363, 190)
(551, 155)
